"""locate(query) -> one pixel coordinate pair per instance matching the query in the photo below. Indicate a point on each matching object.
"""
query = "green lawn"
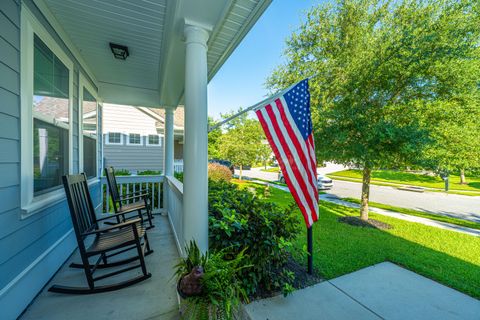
(405, 178)
(448, 257)
(460, 222)
(275, 169)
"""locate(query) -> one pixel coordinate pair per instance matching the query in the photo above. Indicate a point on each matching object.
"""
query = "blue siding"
(25, 242)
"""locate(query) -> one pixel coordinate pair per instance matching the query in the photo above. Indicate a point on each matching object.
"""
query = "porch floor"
(154, 298)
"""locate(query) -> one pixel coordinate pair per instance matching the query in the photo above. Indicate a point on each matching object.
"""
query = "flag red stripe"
(293, 165)
(304, 153)
(282, 165)
(313, 164)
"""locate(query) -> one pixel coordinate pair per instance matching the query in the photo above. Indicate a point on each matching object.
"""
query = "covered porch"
(171, 50)
(155, 298)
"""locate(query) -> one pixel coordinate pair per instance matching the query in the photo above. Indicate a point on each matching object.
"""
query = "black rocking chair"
(108, 242)
(122, 203)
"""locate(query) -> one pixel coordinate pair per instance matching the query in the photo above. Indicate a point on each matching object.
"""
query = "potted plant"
(208, 284)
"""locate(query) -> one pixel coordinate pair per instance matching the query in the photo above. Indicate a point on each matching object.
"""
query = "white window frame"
(134, 144)
(153, 145)
(29, 203)
(107, 138)
(84, 84)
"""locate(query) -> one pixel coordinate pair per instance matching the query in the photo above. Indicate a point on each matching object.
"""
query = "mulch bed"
(302, 280)
(371, 223)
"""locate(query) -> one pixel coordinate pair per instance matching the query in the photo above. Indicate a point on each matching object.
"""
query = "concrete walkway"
(382, 291)
(152, 299)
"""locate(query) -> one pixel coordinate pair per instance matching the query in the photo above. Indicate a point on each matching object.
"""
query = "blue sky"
(240, 81)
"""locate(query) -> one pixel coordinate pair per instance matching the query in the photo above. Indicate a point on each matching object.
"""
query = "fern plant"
(222, 290)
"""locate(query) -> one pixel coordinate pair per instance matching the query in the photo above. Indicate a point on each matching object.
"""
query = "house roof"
(178, 116)
(159, 115)
(56, 108)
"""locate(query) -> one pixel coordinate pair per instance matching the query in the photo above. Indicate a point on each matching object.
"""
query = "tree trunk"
(241, 170)
(365, 193)
(463, 180)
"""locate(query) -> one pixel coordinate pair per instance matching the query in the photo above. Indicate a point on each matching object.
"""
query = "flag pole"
(251, 108)
(310, 250)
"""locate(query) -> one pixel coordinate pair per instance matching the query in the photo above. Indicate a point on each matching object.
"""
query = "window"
(89, 115)
(153, 140)
(134, 138)
(46, 88)
(114, 138)
(51, 119)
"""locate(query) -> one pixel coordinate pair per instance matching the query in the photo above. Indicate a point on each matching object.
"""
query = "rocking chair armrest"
(111, 216)
(133, 198)
(117, 226)
(140, 193)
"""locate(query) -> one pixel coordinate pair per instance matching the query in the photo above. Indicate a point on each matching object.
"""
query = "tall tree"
(213, 140)
(453, 118)
(373, 60)
(241, 141)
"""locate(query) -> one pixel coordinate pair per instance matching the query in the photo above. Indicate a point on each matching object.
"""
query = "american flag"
(287, 122)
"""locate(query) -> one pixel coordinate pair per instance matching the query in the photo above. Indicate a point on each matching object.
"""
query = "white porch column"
(169, 138)
(195, 180)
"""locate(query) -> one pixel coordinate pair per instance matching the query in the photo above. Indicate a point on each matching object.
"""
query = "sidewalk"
(433, 223)
(382, 291)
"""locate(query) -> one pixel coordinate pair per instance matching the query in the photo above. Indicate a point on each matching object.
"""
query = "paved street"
(464, 207)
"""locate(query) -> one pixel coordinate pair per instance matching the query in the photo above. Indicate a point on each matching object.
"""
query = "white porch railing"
(178, 165)
(167, 197)
(174, 207)
(129, 184)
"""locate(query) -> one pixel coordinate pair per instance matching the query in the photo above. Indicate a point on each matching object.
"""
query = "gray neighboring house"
(134, 137)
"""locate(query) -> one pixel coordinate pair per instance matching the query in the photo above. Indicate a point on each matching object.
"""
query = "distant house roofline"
(159, 115)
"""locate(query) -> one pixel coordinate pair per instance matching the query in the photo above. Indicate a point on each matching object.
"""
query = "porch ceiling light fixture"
(119, 51)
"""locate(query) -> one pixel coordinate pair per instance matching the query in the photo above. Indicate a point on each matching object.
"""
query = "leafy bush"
(178, 176)
(120, 172)
(240, 220)
(149, 173)
(218, 172)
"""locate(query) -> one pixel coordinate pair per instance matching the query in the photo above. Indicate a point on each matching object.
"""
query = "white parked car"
(323, 182)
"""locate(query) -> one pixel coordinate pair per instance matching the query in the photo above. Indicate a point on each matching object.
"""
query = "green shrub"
(239, 220)
(122, 172)
(218, 172)
(178, 176)
(149, 173)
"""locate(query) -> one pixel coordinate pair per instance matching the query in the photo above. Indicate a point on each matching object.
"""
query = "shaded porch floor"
(154, 298)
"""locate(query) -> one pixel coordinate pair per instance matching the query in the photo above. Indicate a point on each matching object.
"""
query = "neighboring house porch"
(134, 137)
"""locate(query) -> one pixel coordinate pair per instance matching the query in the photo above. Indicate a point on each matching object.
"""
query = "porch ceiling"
(154, 73)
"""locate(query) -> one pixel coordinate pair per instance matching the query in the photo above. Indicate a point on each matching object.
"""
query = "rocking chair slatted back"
(113, 188)
(80, 204)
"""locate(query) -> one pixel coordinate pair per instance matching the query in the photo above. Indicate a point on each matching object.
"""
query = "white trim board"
(83, 83)
(19, 293)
